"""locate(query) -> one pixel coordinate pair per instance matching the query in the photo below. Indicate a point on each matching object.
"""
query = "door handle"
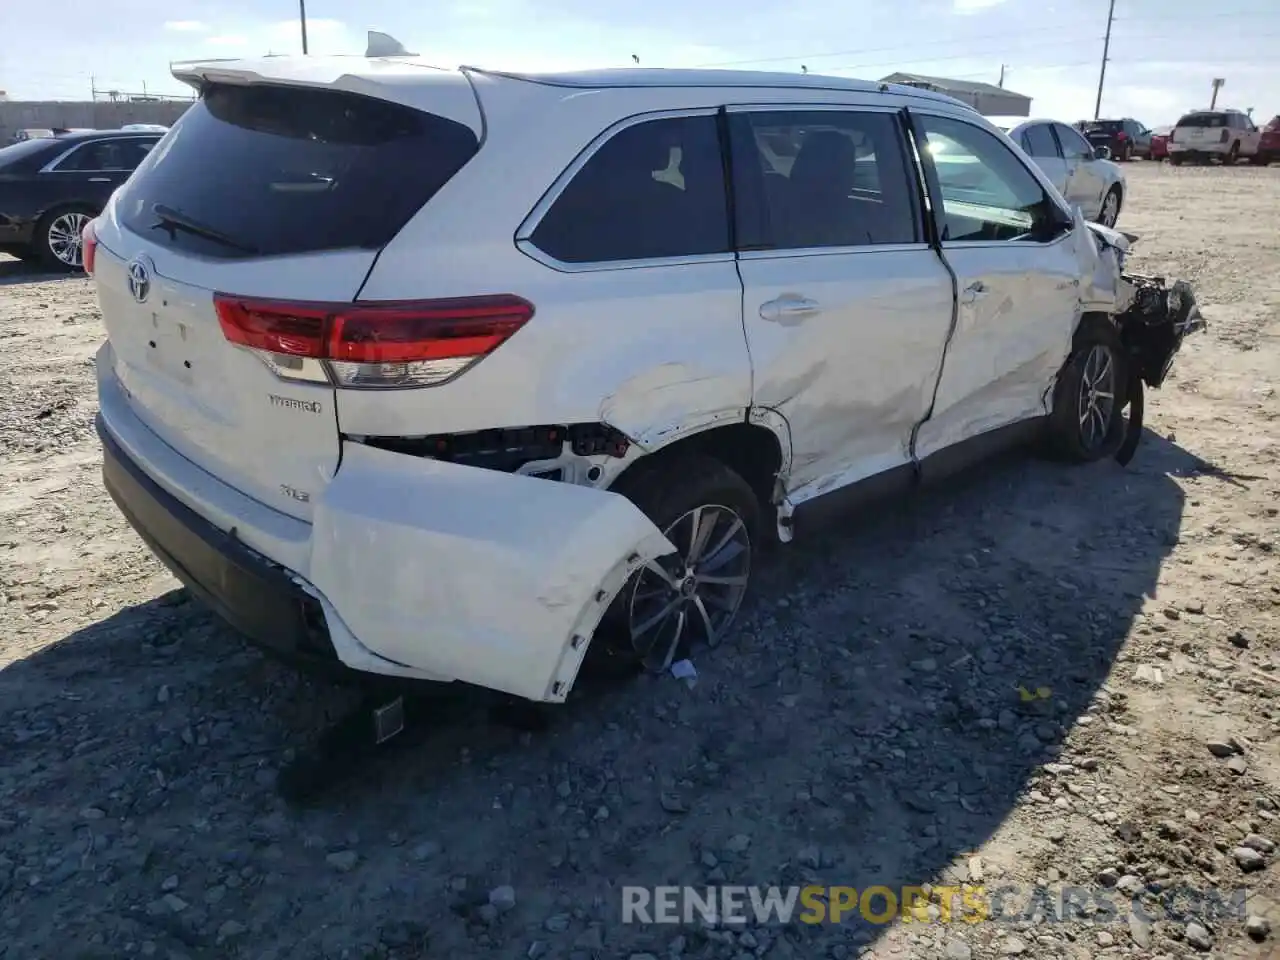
(974, 292)
(786, 309)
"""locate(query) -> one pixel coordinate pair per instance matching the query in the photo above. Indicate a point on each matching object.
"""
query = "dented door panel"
(853, 379)
(1019, 307)
(452, 571)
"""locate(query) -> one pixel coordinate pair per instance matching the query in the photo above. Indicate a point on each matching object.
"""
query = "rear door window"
(270, 170)
(653, 190)
(1074, 146)
(1040, 142)
(821, 178)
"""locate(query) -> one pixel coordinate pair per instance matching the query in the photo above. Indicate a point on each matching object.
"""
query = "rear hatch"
(1200, 128)
(1102, 133)
(264, 191)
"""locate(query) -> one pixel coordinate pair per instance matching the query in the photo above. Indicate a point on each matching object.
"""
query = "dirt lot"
(864, 726)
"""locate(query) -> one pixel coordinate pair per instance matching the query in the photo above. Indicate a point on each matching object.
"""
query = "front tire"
(712, 517)
(1087, 422)
(58, 238)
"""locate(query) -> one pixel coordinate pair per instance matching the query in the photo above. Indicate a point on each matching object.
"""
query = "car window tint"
(1041, 140)
(133, 152)
(1074, 146)
(288, 170)
(655, 189)
(821, 178)
(1203, 120)
(98, 155)
(987, 192)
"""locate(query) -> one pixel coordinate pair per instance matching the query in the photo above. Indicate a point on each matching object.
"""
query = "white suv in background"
(1225, 135)
(429, 374)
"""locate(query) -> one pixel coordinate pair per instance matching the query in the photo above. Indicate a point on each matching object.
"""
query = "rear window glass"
(1204, 120)
(1104, 126)
(21, 154)
(655, 189)
(270, 170)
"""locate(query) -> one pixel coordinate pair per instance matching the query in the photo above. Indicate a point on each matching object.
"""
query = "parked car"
(32, 133)
(377, 435)
(1269, 145)
(1125, 139)
(1224, 135)
(51, 187)
(1081, 172)
(145, 128)
(1160, 142)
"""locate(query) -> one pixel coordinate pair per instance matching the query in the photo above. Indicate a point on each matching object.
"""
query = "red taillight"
(88, 247)
(294, 329)
(1122, 136)
(419, 343)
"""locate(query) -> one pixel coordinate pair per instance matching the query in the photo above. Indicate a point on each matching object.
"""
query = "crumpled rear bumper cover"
(417, 569)
(258, 599)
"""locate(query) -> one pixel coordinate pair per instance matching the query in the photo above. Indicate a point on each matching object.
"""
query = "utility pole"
(1106, 49)
(302, 15)
(1218, 83)
(1001, 83)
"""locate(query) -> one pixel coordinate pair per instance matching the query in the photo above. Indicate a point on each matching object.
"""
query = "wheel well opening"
(751, 451)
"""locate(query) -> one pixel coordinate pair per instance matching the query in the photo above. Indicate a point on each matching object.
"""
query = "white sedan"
(1083, 175)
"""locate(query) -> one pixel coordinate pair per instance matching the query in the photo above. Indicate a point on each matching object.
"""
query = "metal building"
(988, 99)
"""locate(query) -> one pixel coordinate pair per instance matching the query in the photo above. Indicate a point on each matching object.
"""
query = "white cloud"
(186, 26)
(974, 6)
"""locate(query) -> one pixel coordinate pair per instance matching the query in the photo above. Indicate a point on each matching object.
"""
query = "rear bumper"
(256, 598)
(411, 568)
(1199, 149)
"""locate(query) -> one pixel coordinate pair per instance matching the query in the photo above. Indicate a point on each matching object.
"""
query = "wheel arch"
(757, 448)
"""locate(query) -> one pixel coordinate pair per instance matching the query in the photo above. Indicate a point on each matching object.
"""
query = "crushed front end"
(1152, 315)
(1158, 318)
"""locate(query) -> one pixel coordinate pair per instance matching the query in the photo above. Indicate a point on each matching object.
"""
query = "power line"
(969, 55)
(914, 45)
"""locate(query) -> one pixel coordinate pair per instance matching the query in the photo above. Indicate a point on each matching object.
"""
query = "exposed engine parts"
(1152, 329)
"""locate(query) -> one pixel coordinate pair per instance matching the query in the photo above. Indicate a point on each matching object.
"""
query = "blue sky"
(1164, 52)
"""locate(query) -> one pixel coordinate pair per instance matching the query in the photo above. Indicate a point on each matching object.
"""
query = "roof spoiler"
(384, 45)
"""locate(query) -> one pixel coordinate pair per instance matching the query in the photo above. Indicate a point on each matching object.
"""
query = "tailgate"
(219, 405)
(265, 190)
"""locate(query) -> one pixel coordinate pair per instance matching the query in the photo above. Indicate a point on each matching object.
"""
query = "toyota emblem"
(140, 279)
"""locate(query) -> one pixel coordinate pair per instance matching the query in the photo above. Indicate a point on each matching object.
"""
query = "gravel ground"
(865, 724)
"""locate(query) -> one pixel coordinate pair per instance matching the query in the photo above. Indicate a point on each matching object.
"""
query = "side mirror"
(1102, 153)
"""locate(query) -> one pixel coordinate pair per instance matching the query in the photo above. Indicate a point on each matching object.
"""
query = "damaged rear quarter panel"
(472, 574)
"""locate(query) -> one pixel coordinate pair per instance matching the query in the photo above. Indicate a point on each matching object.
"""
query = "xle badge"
(293, 493)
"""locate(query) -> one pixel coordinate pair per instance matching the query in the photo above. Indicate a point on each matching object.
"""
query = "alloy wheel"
(1097, 398)
(65, 238)
(694, 593)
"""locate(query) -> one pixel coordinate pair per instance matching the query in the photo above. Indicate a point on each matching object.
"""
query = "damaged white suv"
(431, 374)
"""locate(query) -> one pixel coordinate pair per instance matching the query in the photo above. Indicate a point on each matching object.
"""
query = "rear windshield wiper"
(173, 221)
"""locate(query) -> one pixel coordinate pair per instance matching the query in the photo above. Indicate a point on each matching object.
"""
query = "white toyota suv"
(429, 374)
